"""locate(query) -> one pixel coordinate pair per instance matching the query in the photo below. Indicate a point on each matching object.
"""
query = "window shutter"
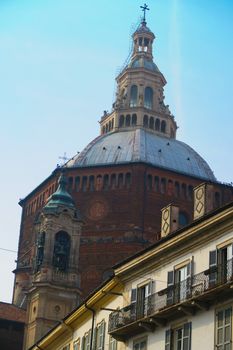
(83, 343)
(168, 334)
(133, 295)
(94, 339)
(170, 284)
(103, 334)
(187, 333)
(190, 269)
(212, 266)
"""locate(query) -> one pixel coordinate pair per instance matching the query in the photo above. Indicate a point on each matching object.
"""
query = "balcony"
(195, 293)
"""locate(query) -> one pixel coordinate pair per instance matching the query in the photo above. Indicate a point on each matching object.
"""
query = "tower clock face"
(97, 210)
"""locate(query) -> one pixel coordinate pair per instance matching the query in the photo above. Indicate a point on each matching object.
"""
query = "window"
(141, 300)
(179, 338)
(140, 344)
(151, 123)
(148, 98)
(163, 126)
(61, 251)
(76, 345)
(128, 120)
(179, 283)
(133, 96)
(112, 343)
(86, 339)
(224, 329)
(221, 265)
(134, 119)
(100, 333)
(145, 121)
(121, 121)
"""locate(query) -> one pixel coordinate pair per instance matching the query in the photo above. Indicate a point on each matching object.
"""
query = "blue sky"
(58, 61)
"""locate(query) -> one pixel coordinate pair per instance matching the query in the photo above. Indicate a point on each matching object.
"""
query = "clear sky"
(58, 61)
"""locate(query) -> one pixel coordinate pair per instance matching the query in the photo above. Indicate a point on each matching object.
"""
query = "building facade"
(175, 294)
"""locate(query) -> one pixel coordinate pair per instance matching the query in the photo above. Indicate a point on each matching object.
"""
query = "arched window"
(177, 189)
(133, 96)
(77, 183)
(92, 183)
(121, 121)
(61, 251)
(103, 130)
(157, 124)
(128, 180)
(106, 127)
(84, 183)
(127, 120)
(163, 185)
(134, 119)
(170, 188)
(163, 126)
(156, 180)
(145, 121)
(120, 180)
(148, 100)
(151, 123)
(112, 123)
(106, 182)
(40, 242)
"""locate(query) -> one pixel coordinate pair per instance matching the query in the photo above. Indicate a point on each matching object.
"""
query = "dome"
(143, 62)
(140, 145)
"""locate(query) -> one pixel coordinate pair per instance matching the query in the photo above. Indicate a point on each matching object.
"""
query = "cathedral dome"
(140, 145)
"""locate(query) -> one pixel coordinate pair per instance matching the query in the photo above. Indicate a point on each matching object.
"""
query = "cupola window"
(163, 126)
(133, 96)
(61, 251)
(148, 100)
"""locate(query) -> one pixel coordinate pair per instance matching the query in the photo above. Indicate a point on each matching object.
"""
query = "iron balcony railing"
(192, 287)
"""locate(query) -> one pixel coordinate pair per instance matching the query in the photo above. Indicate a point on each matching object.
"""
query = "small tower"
(54, 290)
(140, 92)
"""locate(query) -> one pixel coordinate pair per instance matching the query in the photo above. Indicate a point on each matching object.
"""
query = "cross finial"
(144, 9)
(64, 158)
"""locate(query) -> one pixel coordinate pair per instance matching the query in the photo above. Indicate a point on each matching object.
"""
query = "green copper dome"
(60, 198)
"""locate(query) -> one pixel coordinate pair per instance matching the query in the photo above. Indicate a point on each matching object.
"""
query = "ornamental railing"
(189, 288)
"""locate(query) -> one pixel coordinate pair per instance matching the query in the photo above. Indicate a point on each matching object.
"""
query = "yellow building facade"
(174, 295)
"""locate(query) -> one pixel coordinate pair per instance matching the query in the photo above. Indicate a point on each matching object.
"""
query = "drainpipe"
(92, 325)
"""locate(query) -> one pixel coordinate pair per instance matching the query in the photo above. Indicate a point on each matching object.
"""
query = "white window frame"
(139, 342)
(221, 344)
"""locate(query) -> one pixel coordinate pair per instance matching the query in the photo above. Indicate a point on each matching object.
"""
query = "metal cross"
(64, 158)
(144, 9)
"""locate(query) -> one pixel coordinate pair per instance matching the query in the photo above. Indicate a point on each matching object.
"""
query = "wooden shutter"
(168, 339)
(133, 295)
(94, 339)
(83, 343)
(190, 268)
(170, 290)
(103, 333)
(213, 267)
(187, 333)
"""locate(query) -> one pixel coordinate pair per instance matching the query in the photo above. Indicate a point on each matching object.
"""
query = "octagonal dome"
(140, 145)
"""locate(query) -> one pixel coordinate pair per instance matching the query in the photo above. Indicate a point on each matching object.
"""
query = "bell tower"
(54, 289)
